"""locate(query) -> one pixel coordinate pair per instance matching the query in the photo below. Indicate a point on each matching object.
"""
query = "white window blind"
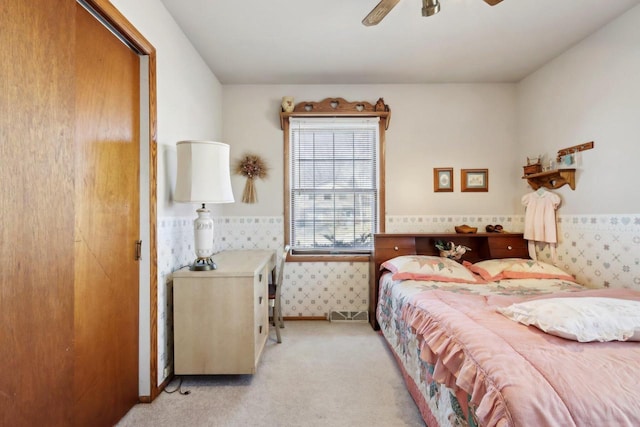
(333, 184)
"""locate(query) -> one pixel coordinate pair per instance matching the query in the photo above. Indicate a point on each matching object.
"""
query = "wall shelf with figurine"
(552, 179)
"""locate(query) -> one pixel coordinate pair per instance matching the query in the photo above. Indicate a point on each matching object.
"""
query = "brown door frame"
(111, 15)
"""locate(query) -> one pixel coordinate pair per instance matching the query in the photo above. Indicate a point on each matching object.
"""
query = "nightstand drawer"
(395, 243)
(261, 311)
(508, 247)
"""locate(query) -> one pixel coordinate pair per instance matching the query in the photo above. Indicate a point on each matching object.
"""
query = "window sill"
(328, 258)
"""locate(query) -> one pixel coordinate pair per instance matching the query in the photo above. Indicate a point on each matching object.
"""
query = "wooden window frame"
(335, 107)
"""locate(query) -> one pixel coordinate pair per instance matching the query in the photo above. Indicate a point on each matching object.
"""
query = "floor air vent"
(349, 316)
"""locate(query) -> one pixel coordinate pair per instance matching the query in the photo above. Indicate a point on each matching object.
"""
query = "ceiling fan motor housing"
(430, 7)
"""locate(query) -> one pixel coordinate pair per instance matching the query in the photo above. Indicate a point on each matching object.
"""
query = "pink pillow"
(425, 267)
(517, 268)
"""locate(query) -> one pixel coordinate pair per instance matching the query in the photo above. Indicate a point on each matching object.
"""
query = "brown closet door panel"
(107, 224)
(36, 212)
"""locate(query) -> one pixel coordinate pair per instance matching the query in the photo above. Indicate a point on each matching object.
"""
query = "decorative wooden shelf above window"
(552, 179)
(339, 107)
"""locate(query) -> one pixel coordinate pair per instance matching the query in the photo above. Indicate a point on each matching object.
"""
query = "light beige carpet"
(323, 374)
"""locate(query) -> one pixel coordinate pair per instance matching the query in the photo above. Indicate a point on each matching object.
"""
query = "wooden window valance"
(339, 107)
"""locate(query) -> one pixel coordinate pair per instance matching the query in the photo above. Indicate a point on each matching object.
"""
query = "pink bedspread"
(517, 375)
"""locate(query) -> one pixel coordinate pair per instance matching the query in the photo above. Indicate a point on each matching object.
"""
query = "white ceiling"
(324, 41)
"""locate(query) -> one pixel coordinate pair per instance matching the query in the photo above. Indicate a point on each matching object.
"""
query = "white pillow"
(580, 319)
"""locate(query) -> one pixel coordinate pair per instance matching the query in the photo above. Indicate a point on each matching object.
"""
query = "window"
(334, 184)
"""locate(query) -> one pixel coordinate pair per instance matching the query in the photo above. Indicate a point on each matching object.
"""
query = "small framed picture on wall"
(475, 179)
(442, 179)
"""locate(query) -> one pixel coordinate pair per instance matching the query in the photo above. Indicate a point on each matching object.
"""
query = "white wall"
(189, 107)
(188, 93)
(432, 125)
(590, 93)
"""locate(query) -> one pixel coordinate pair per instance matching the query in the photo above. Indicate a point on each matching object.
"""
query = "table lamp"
(203, 177)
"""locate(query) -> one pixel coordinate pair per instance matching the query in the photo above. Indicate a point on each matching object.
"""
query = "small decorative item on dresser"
(251, 167)
(465, 229)
(494, 228)
(450, 250)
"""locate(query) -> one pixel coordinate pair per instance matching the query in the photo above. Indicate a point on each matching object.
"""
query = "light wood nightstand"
(221, 317)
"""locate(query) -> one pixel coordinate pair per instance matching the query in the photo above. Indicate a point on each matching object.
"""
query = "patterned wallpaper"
(175, 250)
(600, 250)
(445, 223)
(310, 289)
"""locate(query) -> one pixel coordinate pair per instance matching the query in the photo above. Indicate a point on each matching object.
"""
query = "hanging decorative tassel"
(249, 194)
(251, 167)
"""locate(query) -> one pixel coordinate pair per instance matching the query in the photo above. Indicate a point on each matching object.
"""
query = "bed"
(466, 363)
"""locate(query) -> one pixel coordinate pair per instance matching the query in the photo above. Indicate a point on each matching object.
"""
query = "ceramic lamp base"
(203, 264)
(203, 241)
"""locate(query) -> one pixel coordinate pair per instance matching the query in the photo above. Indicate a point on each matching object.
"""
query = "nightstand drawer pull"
(510, 247)
(395, 248)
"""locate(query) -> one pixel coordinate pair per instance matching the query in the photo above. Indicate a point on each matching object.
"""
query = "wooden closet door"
(36, 212)
(106, 225)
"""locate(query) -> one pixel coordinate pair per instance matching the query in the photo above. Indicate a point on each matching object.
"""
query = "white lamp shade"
(203, 173)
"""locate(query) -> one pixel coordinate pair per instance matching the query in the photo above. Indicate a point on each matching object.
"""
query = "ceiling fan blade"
(379, 12)
(492, 2)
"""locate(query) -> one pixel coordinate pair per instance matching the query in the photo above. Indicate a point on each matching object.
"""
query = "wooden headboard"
(483, 246)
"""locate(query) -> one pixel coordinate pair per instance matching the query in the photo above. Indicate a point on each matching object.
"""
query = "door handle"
(138, 250)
